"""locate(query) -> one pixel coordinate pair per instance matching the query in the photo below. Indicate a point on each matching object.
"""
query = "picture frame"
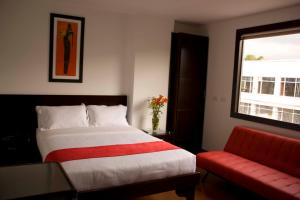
(66, 48)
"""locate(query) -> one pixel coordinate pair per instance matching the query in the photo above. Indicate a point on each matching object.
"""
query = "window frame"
(257, 32)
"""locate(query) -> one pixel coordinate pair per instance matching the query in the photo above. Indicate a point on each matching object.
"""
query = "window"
(289, 115)
(264, 111)
(266, 83)
(246, 84)
(244, 108)
(290, 87)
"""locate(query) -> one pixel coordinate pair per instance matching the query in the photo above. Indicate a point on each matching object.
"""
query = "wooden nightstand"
(17, 148)
(46, 181)
(161, 134)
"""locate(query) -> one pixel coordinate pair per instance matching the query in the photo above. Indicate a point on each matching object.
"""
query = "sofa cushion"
(279, 152)
(259, 178)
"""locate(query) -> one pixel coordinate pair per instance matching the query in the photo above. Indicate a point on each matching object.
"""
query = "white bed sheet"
(98, 173)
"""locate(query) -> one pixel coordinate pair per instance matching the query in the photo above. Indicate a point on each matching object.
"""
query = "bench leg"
(204, 177)
(188, 193)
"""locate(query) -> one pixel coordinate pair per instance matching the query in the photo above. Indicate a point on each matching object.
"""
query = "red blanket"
(62, 155)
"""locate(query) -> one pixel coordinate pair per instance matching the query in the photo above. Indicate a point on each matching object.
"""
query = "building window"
(290, 87)
(244, 108)
(264, 111)
(266, 83)
(289, 115)
(246, 84)
(296, 116)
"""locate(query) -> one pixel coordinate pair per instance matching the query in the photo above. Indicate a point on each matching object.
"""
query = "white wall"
(152, 43)
(123, 54)
(24, 49)
(218, 123)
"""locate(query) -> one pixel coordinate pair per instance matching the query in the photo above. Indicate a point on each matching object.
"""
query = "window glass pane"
(287, 115)
(264, 111)
(267, 88)
(266, 85)
(244, 108)
(246, 84)
(289, 89)
(297, 117)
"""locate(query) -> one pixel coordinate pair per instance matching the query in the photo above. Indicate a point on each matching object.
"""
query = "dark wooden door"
(187, 83)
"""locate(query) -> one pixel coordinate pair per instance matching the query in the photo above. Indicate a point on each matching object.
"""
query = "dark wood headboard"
(18, 121)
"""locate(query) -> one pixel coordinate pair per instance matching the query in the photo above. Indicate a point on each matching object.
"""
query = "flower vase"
(155, 123)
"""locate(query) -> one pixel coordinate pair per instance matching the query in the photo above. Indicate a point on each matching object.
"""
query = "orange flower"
(164, 100)
(158, 102)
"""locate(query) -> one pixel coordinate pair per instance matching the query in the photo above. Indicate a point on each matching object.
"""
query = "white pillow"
(107, 115)
(56, 117)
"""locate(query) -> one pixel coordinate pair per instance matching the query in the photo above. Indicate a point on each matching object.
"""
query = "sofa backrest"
(279, 152)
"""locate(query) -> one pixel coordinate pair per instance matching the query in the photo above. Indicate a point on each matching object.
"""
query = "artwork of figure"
(67, 47)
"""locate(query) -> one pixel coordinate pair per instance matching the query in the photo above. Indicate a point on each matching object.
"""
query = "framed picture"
(66, 48)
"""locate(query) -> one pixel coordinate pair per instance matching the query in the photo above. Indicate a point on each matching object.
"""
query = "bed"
(171, 169)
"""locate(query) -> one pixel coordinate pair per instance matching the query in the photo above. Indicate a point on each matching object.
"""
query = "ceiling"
(197, 11)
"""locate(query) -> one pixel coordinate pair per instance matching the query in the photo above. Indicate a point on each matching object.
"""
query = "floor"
(214, 188)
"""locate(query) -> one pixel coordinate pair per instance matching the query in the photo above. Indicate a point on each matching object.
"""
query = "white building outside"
(271, 89)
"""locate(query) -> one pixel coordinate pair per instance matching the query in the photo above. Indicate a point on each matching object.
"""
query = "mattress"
(104, 172)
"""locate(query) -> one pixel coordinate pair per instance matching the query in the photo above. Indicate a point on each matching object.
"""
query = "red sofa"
(262, 162)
